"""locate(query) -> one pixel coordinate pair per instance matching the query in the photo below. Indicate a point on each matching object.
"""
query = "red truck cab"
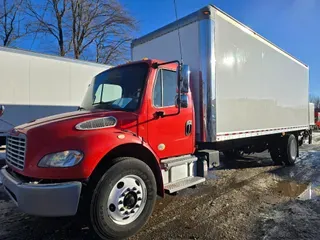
(107, 154)
(317, 117)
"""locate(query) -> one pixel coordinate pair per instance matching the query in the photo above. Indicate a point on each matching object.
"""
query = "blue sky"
(293, 25)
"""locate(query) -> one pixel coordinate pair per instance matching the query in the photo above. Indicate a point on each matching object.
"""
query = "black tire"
(275, 154)
(310, 138)
(290, 150)
(101, 221)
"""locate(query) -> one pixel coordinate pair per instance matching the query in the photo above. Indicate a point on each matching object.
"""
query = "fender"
(132, 146)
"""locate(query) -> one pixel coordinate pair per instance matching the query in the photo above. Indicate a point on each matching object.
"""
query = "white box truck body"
(34, 85)
(243, 85)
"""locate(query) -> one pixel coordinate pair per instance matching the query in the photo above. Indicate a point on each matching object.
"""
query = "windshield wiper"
(101, 103)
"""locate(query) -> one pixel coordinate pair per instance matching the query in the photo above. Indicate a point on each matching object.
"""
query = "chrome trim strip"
(207, 72)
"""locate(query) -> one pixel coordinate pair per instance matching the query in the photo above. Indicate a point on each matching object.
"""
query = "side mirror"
(2, 108)
(185, 78)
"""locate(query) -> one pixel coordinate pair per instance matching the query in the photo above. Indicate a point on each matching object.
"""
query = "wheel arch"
(135, 150)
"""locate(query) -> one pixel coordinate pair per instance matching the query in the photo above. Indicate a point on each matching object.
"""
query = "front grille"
(16, 151)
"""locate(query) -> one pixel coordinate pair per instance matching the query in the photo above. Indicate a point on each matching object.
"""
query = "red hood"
(58, 133)
(85, 115)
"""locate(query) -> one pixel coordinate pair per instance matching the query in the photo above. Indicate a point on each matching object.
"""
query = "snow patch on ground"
(293, 220)
(316, 137)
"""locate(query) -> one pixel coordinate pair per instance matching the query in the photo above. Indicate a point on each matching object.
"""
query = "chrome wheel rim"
(127, 200)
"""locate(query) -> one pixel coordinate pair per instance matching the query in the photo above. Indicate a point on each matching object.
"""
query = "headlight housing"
(63, 159)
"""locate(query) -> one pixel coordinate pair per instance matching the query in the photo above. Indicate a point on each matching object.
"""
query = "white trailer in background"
(34, 85)
(311, 115)
(244, 87)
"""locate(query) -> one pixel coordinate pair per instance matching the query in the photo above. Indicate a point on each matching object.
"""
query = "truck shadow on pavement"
(247, 161)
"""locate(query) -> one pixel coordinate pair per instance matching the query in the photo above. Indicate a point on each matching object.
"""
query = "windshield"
(117, 89)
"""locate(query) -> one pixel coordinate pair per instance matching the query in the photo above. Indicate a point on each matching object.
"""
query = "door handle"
(158, 114)
(188, 129)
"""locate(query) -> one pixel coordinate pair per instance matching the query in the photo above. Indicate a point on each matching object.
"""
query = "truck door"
(169, 135)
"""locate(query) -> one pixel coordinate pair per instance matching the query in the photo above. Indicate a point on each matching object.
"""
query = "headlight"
(61, 159)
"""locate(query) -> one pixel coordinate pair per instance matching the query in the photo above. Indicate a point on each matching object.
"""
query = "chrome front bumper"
(48, 200)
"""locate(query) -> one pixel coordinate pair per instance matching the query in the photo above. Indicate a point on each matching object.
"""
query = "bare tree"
(85, 29)
(49, 20)
(12, 24)
(102, 24)
(315, 100)
(111, 52)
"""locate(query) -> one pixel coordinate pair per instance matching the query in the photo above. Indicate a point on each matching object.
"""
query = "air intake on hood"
(97, 123)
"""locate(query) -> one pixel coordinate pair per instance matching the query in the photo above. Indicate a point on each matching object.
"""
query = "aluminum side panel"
(257, 86)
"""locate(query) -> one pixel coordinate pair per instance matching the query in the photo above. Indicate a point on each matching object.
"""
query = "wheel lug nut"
(120, 202)
(126, 212)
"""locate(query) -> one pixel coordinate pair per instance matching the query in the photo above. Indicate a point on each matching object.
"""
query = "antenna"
(180, 46)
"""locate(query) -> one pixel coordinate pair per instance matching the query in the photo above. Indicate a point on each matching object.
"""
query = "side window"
(169, 88)
(164, 92)
(157, 92)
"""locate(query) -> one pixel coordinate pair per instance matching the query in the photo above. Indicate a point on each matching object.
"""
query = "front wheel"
(123, 199)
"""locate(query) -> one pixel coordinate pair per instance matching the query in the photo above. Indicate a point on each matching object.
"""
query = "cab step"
(176, 161)
(183, 183)
(182, 172)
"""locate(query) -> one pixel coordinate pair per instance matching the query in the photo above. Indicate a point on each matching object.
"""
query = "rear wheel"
(275, 154)
(310, 138)
(285, 150)
(123, 199)
(290, 150)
